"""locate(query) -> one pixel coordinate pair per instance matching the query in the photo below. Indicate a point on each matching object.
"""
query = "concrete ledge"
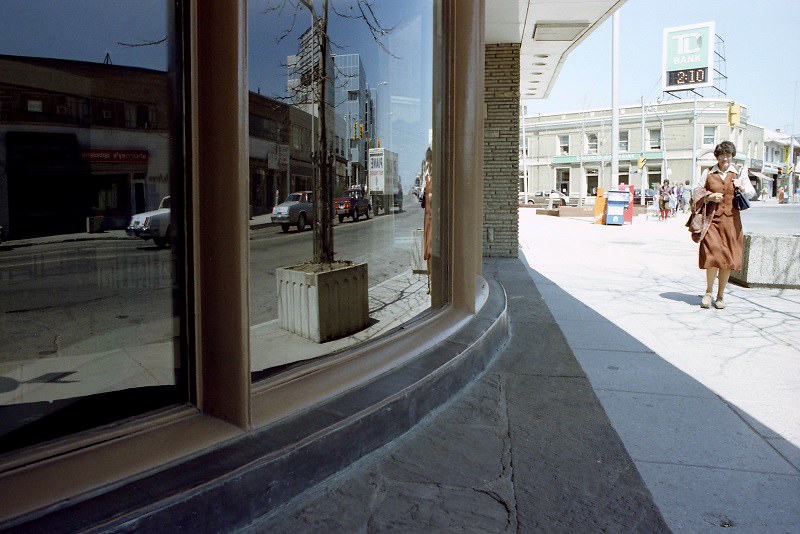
(228, 487)
(769, 260)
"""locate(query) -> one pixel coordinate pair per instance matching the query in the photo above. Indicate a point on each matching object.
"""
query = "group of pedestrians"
(672, 198)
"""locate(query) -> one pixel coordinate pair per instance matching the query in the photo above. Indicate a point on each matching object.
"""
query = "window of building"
(384, 243)
(655, 138)
(562, 181)
(709, 135)
(35, 106)
(92, 331)
(591, 182)
(563, 145)
(591, 143)
(623, 140)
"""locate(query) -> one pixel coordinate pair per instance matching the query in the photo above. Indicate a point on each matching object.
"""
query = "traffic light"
(355, 129)
(641, 162)
(734, 114)
(361, 131)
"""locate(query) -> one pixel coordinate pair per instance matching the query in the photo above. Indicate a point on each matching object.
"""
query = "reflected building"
(355, 104)
(94, 136)
(405, 102)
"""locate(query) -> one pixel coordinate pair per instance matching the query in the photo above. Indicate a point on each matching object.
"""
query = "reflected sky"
(95, 28)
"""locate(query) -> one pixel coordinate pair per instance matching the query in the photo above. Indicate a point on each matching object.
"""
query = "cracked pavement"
(526, 447)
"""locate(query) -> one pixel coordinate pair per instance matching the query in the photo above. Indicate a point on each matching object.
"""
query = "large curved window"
(340, 122)
(90, 189)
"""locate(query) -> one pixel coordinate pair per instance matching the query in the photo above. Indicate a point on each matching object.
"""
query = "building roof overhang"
(547, 30)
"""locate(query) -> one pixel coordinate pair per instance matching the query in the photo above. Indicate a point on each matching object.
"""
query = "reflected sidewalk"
(114, 362)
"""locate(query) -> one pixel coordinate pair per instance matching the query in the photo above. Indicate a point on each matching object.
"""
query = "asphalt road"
(98, 295)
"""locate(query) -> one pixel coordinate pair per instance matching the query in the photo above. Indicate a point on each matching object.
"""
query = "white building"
(571, 152)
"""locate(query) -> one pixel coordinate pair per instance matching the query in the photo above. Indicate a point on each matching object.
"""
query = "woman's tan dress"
(722, 245)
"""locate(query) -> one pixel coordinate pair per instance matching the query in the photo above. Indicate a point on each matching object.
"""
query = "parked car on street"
(155, 224)
(542, 198)
(297, 210)
(649, 195)
(353, 204)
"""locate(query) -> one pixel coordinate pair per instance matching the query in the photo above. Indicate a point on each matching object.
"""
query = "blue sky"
(762, 47)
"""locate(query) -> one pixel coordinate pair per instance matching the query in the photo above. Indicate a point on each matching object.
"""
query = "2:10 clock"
(687, 76)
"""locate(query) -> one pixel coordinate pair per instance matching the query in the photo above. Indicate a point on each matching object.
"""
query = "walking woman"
(721, 248)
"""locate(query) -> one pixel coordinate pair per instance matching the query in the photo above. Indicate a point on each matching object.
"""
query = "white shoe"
(706, 302)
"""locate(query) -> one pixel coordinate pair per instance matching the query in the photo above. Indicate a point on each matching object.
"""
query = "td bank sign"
(688, 57)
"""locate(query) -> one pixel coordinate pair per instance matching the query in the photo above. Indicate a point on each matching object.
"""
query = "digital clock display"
(687, 76)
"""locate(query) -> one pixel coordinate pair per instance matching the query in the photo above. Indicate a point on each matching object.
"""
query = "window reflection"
(88, 332)
(371, 97)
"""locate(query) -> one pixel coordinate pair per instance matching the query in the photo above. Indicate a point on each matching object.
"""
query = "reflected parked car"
(153, 225)
(297, 210)
(353, 203)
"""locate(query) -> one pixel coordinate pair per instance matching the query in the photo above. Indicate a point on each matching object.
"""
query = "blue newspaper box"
(616, 202)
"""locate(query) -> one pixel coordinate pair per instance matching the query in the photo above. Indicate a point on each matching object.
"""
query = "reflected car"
(297, 210)
(353, 204)
(155, 224)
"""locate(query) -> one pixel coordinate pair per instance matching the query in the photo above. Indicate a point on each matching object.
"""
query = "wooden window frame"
(223, 404)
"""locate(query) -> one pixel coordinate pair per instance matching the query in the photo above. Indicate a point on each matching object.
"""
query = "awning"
(760, 176)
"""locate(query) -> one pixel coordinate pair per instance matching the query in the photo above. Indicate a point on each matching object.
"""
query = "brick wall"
(501, 151)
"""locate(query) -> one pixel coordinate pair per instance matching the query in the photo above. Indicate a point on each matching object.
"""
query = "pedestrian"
(721, 247)
(663, 200)
(427, 227)
(686, 197)
(673, 204)
(781, 195)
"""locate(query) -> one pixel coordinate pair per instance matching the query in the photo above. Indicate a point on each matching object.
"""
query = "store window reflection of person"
(427, 230)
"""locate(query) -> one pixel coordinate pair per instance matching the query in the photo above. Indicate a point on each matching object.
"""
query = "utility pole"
(524, 157)
(641, 154)
(614, 102)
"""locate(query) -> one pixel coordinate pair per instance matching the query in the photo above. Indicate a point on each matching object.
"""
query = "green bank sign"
(688, 58)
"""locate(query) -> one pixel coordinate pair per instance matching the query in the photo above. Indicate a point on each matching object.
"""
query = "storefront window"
(89, 332)
(373, 89)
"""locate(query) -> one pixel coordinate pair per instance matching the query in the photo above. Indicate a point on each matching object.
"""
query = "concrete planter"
(769, 261)
(323, 302)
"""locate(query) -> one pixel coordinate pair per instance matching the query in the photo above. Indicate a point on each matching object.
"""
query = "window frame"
(714, 135)
(627, 141)
(592, 143)
(650, 136)
(222, 403)
(563, 148)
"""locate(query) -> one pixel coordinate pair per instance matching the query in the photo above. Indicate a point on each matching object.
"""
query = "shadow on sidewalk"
(707, 462)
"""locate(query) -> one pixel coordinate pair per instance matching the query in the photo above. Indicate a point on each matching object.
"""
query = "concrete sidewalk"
(618, 405)
(705, 401)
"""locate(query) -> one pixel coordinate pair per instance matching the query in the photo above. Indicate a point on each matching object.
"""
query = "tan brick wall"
(501, 151)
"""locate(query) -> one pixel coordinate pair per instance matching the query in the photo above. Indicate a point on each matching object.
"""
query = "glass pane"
(375, 87)
(88, 280)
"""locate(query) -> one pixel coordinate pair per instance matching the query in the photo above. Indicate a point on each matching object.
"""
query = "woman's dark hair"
(725, 147)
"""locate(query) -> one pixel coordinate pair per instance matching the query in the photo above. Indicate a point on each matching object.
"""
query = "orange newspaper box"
(600, 207)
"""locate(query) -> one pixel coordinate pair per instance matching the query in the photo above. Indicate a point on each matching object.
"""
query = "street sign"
(688, 57)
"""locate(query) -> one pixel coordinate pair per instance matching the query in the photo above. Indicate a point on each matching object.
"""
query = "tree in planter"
(361, 10)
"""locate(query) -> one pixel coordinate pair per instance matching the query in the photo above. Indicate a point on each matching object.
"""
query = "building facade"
(571, 152)
(102, 129)
(356, 108)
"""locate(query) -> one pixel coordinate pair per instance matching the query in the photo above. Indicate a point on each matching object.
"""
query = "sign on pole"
(688, 57)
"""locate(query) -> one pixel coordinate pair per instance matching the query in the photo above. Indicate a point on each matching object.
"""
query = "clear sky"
(762, 45)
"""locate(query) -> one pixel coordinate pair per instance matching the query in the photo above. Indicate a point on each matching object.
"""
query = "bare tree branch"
(143, 43)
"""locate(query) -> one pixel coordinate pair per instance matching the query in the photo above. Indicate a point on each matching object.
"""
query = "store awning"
(761, 176)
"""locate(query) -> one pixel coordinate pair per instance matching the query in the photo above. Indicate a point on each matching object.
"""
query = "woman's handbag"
(740, 200)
